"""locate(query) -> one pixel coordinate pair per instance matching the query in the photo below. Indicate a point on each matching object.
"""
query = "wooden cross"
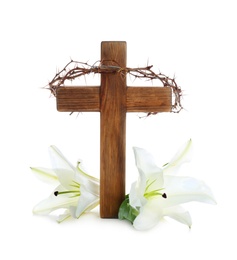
(113, 99)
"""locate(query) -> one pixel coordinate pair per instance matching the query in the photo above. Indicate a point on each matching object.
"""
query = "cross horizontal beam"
(138, 99)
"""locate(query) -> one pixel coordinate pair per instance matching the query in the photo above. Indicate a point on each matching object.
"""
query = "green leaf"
(126, 211)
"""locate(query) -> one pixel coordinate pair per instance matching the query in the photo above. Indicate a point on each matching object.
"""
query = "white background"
(193, 40)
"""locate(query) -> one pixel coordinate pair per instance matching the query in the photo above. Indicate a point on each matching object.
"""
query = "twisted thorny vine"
(76, 69)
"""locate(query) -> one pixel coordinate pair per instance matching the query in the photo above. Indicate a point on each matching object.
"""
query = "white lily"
(157, 193)
(77, 192)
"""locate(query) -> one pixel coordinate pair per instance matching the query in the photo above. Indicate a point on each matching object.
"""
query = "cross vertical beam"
(112, 131)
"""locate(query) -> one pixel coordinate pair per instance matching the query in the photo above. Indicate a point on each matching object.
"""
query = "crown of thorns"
(76, 69)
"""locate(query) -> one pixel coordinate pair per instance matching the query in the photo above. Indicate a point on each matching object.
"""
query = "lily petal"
(136, 198)
(80, 169)
(149, 216)
(63, 216)
(86, 202)
(54, 202)
(91, 183)
(45, 174)
(62, 167)
(183, 155)
(146, 165)
(185, 189)
(178, 213)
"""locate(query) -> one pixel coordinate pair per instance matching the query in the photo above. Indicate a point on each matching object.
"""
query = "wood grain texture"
(149, 99)
(138, 99)
(79, 99)
(112, 132)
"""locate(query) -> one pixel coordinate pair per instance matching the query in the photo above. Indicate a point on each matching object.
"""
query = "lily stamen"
(76, 192)
(164, 195)
(153, 193)
(74, 185)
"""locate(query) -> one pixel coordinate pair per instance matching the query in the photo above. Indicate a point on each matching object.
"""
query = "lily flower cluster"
(157, 193)
(76, 192)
